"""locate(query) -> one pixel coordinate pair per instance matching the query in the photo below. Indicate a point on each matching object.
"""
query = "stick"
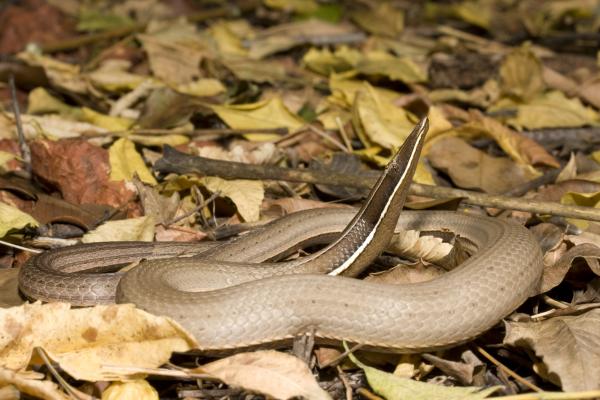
(25, 151)
(181, 163)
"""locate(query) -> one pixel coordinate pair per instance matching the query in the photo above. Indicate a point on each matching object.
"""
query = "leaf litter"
(510, 91)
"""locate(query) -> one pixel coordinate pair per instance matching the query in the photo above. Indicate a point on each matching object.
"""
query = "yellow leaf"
(553, 110)
(201, 87)
(325, 62)
(42, 102)
(267, 114)
(12, 218)
(383, 19)
(82, 340)
(596, 156)
(138, 389)
(159, 140)
(141, 229)
(581, 199)
(125, 162)
(383, 123)
(299, 6)
(61, 74)
(521, 74)
(478, 13)
(112, 76)
(438, 123)
(396, 68)
(344, 91)
(227, 41)
(5, 158)
(247, 195)
(105, 121)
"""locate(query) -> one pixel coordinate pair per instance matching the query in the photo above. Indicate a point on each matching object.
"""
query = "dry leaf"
(554, 275)
(126, 162)
(138, 390)
(82, 340)
(112, 76)
(262, 115)
(521, 74)
(285, 36)
(383, 19)
(31, 385)
(247, 195)
(471, 168)
(519, 147)
(272, 373)
(569, 171)
(174, 50)
(141, 228)
(392, 387)
(568, 346)
(396, 68)
(11, 218)
(52, 126)
(9, 288)
(553, 110)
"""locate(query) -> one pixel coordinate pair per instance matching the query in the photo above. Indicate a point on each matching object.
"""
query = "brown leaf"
(9, 288)
(555, 274)
(275, 374)
(403, 274)
(519, 147)
(521, 74)
(79, 171)
(473, 169)
(568, 346)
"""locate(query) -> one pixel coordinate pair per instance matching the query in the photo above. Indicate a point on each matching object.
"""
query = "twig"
(177, 162)
(364, 392)
(343, 133)
(508, 370)
(342, 356)
(195, 209)
(63, 383)
(345, 382)
(25, 151)
(545, 179)
(16, 246)
(328, 138)
(554, 303)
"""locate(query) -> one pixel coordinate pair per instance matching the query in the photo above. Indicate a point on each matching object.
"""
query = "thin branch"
(508, 370)
(181, 163)
(25, 151)
(328, 138)
(16, 246)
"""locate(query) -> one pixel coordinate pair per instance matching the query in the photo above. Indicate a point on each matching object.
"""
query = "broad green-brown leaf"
(393, 387)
